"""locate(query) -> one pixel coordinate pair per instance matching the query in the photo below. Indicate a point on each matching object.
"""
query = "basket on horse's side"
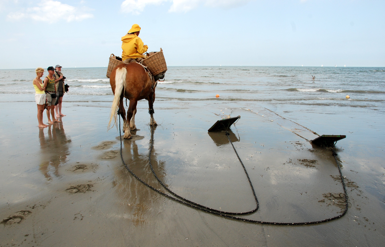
(156, 63)
(112, 64)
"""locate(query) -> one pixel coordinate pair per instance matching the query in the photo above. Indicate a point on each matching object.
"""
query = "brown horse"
(132, 82)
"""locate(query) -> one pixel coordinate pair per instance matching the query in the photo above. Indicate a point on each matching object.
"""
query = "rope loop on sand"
(228, 215)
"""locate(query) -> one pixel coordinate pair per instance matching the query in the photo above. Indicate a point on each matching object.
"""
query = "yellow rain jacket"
(133, 47)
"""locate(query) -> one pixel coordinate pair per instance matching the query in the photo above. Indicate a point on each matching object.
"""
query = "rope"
(227, 215)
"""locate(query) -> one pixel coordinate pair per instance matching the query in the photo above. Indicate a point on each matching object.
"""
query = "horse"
(132, 82)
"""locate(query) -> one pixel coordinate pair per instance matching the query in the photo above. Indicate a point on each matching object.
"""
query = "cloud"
(184, 5)
(4, 3)
(137, 6)
(225, 3)
(51, 11)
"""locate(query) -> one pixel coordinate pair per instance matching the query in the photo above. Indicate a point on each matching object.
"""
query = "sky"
(40, 33)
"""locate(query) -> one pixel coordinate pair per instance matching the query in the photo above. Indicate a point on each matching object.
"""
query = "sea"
(365, 87)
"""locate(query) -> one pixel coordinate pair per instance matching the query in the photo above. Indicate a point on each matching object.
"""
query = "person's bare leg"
(42, 114)
(53, 115)
(57, 111)
(60, 106)
(48, 115)
(40, 109)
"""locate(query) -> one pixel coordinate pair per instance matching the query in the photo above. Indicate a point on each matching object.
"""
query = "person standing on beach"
(40, 97)
(132, 46)
(50, 88)
(60, 89)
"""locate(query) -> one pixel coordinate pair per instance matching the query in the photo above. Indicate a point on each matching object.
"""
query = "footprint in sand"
(18, 217)
(82, 167)
(349, 183)
(110, 155)
(335, 199)
(104, 145)
(308, 163)
(80, 188)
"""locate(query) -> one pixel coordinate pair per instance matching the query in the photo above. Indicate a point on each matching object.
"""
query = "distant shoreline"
(225, 66)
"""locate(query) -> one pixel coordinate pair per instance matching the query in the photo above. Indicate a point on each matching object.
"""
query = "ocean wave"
(283, 76)
(310, 101)
(179, 90)
(96, 86)
(364, 91)
(322, 90)
(166, 82)
(329, 90)
(306, 90)
(89, 80)
(20, 80)
(186, 91)
(240, 90)
(94, 93)
(181, 82)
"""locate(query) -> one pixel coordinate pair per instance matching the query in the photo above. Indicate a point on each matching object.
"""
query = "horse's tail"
(120, 79)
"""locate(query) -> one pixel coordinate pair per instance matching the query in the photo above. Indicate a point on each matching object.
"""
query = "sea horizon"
(231, 66)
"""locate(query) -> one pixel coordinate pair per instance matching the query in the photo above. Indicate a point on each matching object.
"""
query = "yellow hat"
(135, 28)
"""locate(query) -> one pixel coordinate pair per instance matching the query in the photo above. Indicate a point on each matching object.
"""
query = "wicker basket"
(156, 63)
(112, 64)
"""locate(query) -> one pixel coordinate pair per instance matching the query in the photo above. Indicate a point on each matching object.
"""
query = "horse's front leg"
(151, 100)
(130, 112)
(132, 122)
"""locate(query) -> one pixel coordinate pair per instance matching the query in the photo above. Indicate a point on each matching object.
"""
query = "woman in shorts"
(40, 97)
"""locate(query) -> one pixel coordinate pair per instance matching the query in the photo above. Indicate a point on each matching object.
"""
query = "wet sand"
(66, 186)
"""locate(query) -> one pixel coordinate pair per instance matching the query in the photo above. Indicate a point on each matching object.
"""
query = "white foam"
(165, 82)
(308, 89)
(317, 89)
(335, 91)
(93, 86)
(90, 80)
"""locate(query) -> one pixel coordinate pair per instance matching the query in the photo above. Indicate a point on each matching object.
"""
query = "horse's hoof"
(127, 135)
(133, 128)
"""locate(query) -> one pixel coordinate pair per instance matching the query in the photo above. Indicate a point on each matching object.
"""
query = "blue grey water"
(320, 103)
(278, 85)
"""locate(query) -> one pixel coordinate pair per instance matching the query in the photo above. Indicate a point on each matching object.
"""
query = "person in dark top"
(61, 91)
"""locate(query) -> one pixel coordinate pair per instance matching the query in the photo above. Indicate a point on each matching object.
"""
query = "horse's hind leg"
(122, 113)
(132, 122)
(130, 112)
(151, 100)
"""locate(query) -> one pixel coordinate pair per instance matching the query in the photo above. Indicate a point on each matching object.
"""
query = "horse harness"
(139, 61)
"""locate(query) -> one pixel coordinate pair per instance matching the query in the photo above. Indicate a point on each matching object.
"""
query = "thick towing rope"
(224, 214)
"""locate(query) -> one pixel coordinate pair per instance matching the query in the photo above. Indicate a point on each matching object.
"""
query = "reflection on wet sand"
(220, 138)
(54, 149)
(138, 199)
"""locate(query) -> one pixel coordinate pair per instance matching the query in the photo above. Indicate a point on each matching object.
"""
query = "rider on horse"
(133, 81)
(133, 47)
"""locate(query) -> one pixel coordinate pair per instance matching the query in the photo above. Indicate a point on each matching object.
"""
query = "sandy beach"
(66, 186)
